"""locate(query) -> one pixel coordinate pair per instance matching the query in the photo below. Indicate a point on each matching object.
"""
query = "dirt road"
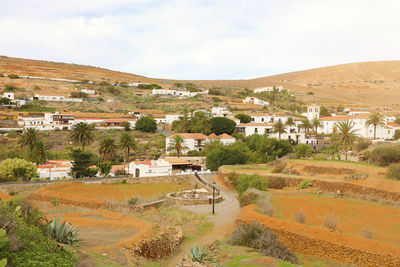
(223, 219)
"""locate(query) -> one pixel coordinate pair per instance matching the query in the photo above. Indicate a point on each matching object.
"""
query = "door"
(137, 172)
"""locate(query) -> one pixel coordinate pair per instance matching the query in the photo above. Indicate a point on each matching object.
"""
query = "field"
(353, 215)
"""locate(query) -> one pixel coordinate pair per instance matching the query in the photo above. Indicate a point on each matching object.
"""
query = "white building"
(197, 141)
(58, 98)
(55, 169)
(8, 95)
(50, 121)
(88, 91)
(312, 112)
(150, 168)
(255, 101)
(268, 89)
(255, 128)
(179, 93)
(220, 112)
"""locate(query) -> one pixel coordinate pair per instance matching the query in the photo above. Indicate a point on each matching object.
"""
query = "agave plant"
(196, 254)
(62, 231)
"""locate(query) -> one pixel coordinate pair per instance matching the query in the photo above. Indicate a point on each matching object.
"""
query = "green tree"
(29, 137)
(306, 125)
(290, 122)
(375, 119)
(4, 101)
(82, 134)
(177, 144)
(107, 149)
(396, 135)
(7, 166)
(146, 124)
(127, 143)
(346, 135)
(324, 112)
(127, 126)
(220, 125)
(316, 123)
(244, 118)
(19, 173)
(81, 162)
(302, 150)
(279, 128)
(105, 167)
(39, 153)
(225, 155)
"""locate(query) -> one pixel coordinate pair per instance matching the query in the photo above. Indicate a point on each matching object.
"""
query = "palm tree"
(306, 125)
(279, 128)
(127, 143)
(375, 119)
(290, 122)
(29, 137)
(177, 144)
(107, 148)
(346, 135)
(316, 123)
(39, 153)
(82, 134)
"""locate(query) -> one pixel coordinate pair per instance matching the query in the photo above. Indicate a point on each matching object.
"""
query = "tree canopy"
(146, 124)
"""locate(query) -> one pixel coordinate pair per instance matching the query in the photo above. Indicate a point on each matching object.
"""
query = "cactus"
(196, 254)
(62, 231)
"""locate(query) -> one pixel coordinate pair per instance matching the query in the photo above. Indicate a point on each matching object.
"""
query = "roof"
(143, 162)
(213, 136)
(233, 118)
(115, 168)
(119, 120)
(393, 124)
(225, 136)
(197, 136)
(255, 124)
(177, 161)
(343, 118)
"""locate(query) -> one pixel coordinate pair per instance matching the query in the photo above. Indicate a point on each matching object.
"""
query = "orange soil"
(352, 215)
(5, 197)
(248, 214)
(113, 192)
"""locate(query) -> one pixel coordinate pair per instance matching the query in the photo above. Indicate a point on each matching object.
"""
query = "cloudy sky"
(201, 39)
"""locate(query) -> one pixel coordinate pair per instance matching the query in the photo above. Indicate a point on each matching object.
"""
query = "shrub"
(215, 91)
(278, 168)
(385, 155)
(367, 232)
(220, 125)
(310, 93)
(196, 254)
(304, 184)
(244, 118)
(247, 199)
(104, 167)
(362, 144)
(7, 169)
(243, 182)
(302, 150)
(120, 172)
(266, 206)
(10, 88)
(193, 153)
(330, 222)
(91, 172)
(62, 231)
(257, 236)
(393, 172)
(300, 216)
(225, 155)
(13, 76)
(20, 172)
(146, 124)
(54, 202)
(396, 135)
(1, 75)
(133, 201)
(276, 183)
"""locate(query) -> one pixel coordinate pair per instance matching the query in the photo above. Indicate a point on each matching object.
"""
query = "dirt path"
(223, 219)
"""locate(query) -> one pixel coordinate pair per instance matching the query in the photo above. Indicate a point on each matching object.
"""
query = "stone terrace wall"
(151, 180)
(323, 243)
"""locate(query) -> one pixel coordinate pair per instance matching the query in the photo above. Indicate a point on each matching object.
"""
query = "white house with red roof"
(148, 168)
(55, 169)
(224, 138)
(197, 141)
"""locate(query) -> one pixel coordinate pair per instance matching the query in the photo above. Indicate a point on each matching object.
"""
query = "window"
(255, 130)
(262, 119)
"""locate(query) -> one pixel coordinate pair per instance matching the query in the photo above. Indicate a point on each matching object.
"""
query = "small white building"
(312, 112)
(220, 112)
(55, 169)
(255, 101)
(57, 98)
(88, 91)
(225, 139)
(178, 93)
(193, 141)
(268, 89)
(255, 128)
(8, 95)
(150, 168)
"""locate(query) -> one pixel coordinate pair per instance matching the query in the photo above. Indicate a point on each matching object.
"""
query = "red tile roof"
(197, 136)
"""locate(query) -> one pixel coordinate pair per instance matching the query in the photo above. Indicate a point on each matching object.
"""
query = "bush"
(220, 125)
(243, 182)
(276, 183)
(330, 222)
(302, 151)
(133, 201)
(393, 172)
(257, 236)
(362, 144)
(10, 88)
(278, 168)
(104, 167)
(146, 124)
(54, 202)
(196, 254)
(300, 216)
(13, 76)
(120, 172)
(396, 135)
(7, 169)
(247, 199)
(244, 118)
(62, 231)
(193, 153)
(367, 232)
(385, 155)
(310, 93)
(215, 91)
(225, 155)
(91, 172)
(304, 184)
(266, 206)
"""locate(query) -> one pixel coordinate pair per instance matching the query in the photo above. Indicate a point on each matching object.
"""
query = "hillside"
(377, 82)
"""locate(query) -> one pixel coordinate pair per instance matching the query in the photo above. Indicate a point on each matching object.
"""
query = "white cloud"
(201, 39)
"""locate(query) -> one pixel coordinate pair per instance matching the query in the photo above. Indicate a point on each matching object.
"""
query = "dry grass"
(367, 232)
(300, 216)
(330, 222)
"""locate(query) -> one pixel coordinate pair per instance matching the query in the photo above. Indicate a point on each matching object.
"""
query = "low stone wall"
(193, 201)
(152, 180)
(160, 246)
(323, 243)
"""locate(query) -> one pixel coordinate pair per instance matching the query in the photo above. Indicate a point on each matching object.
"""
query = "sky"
(203, 39)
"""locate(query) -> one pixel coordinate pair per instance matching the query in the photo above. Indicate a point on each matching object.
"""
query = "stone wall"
(187, 201)
(160, 246)
(152, 180)
(323, 243)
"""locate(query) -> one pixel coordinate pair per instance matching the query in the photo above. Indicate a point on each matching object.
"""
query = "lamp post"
(213, 204)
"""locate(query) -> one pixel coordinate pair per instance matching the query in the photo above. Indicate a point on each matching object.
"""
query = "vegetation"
(107, 149)
(393, 172)
(104, 167)
(304, 184)
(264, 149)
(300, 216)
(196, 123)
(375, 119)
(62, 231)
(146, 124)
(133, 200)
(81, 162)
(385, 155)
(225, 155)
(35, 107)
(243, 182)
(13, 76)
(127, 143)
(316, 123)
(8, 166)
(197, 254)
(330, 222)
(244, 118)
(279, 128)
(302, 151)
(29, 137)
(257, 236)
(220, 125)
(306, 125)
(346, 135)
(39, 153)
(177, 144)
(82, 134)
(26, 242)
